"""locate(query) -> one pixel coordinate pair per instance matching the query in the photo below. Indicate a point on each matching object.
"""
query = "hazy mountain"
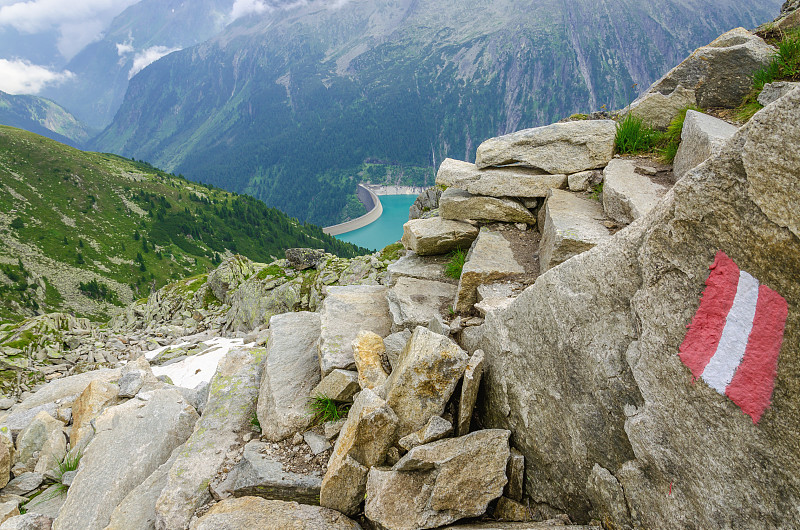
(42, 116)
(293, 104)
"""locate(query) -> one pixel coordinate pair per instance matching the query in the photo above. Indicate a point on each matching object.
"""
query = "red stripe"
(706, 328)
(752, 386)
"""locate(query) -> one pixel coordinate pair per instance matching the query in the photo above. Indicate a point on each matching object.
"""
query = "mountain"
(141, 34)
(42, 116)
(87, 232)
(298, 104)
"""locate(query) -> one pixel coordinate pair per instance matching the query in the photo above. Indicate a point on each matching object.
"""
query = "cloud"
(259, 7)
(78, 22)
(22, 77)
(249, 7)
(142, 59)
(124, 49)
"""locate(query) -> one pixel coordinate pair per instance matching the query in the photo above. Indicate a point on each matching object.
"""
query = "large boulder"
(226, 418)
(258, 299)
(414, 302)
(304, 258)
(421, 267)
(497, 182)
(291, 371)
(702, 137)
(627, 194)
(97, 396)
(584, 368)
(461, 205)
(560, 148)
(261, 514)
(428, 237)
(138, 508)
(131, 441)
(42, 444)
(774, 91)
(225, 279)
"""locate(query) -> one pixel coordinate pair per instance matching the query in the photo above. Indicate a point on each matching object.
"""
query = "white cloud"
(124, 48)
(22, 77)
(78, 22)
(145, 57)
(249, 7)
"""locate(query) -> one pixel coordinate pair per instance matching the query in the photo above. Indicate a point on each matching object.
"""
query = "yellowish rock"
(92, 401)
(368, 350)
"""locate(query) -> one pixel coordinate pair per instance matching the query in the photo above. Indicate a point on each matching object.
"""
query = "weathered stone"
(421, 385)
(627, 195)
(583, 366)
(304, 258)
(8, 510)
(491, 258)
(339, 385)
(345, 312)
(256, 300)
(28, 521)
(607, 497)
(291, 372)
(497, 182)
(439, 483)
(702, 137)
(774, 91)
(365, 437)
(368, 350)
(469, 392)
(720, 74)
(495, 296)
(7, 402)
(427, 202)
(316, 442)
(48, 502)
(41, 444)
(260, 475)
(460, 205)
(333, 428)
(657, 110)
(5, 465)
(226, 279)
(134, 375)
(23, 484)
(511, 510)
(584, 180)
(395, 344)
(560, 148)
(437, 236)
(414, 302)
(231, 403)
(132, 440)
(436, 429)
(97, 396)
(571, 225)
(138, 508)
(254, 512)
(421, 267)
(515, 472)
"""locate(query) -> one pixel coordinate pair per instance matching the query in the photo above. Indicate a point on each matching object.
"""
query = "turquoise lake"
(388, 228)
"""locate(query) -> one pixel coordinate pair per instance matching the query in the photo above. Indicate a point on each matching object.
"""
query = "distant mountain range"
(296, 104)
(43, 116)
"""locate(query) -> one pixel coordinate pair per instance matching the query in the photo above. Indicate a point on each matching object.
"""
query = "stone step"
(461, 205)
(702, 137)
(570, 225)
(433, 236)
(628, 194)
(414, 302)
(421, 267)
(497, 182)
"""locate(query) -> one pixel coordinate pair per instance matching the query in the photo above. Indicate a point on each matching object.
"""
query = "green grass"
(456, 264)
(597, 192)
(392, 252)
(785, 66)
(671, 139)
(324, 409)
(634, 136)
(255, 423)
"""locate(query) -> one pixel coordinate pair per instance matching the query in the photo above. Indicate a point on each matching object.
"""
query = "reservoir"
(388, 228)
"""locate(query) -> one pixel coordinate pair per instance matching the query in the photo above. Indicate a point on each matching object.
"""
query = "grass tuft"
(785, 66)
(324, 409)
(671, 139)
(634, 136)
(456, 264)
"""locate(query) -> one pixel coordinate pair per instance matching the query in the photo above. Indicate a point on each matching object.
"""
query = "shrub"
(456, 264)
(633, 136)
(17, 223)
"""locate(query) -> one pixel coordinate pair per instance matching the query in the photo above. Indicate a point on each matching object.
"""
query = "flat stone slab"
(433, 236)
(490, 259)
(497, 182)
(702, 137)
(254, 512)
(497, 296)
(627, 195)
(414, 302)
(571, 225)
(421, 267)
(345, 312)
(457, 204)
(774, 91)
(260, 475)
(560, 148)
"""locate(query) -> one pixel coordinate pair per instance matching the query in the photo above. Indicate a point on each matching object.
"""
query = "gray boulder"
(497, 182)
(436, 429)
(428, 237)
(461, 205)
(134, 375)
(138, 508)
(426, 204)
(42, 444)
(702, 137)
(627, 194)
(560, 148)
(226, 279)
(28, 521)
(304, 258)
(23, 484)
(421, 267)
(774, 91)
(339, 385)
(469, 392)
(260, 475)
(414, 302)
(254, 512)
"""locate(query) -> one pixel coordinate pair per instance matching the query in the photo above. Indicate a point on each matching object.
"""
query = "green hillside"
(42, 116)
(88, 232)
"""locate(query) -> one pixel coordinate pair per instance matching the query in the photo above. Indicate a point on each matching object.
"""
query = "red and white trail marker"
(735, 338)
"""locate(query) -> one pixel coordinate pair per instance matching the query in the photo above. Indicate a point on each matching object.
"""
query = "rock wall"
(584, 366)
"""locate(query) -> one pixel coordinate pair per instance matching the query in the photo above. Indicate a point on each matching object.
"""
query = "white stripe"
(739, 323)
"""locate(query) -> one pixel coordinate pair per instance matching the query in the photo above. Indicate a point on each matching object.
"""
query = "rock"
(8, 510)
(774, 91)
(49, 442)
(571, 225)
(491, 258)
(134, 375)
(439, 483)
(436, 429)
(226, 279)
(5, 465)
(368, 349)
(317, 443)
(607, 496)
(719, 74)
(304, 258)
(138, 508)
(511, 510)
(496, 295)
(345, 312)
(426, 203)
(459, 205)
(90, 404)
(132, 440)
(583, 366)
(253, 512)
(261, 475)
(560, 148)
(414, 302)
(333, 428)
(627, 195)
(256, 300)
(230, 408)
(68, 477)
(48, 502)
(28, 521)
(7, 402)
(23, 484)
(515, 472)
(437, 236)
(339, 385)
(365, 437)
(702, 137)
(498, 182)
(421, 267)
(585, 180)
(291, 371)
(422, 383)
(469, 392)
(658, 110)
(395, 344)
